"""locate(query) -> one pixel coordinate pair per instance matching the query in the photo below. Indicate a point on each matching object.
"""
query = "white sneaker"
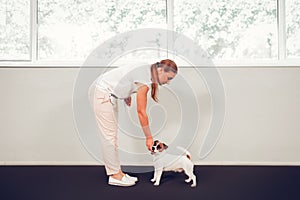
(131, 178)
(124, 182)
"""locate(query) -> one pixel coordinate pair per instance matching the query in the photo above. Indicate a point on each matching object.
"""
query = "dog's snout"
(153, 148)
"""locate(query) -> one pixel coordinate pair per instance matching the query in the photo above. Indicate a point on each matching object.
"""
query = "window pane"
(293, 28)
(14, 30)
(230, 29)
(72, 29)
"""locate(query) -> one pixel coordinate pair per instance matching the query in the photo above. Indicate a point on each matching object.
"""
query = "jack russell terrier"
(168, 162)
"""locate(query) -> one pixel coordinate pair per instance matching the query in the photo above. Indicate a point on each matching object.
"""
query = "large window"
(230, 29)
(14, 30)
(70, 29)
(52, 30)
(293, 28)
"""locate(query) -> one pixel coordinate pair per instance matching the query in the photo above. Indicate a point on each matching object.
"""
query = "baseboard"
(216, 163)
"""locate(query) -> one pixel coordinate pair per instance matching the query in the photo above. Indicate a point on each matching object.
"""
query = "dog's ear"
(155, 142)
(165, 146)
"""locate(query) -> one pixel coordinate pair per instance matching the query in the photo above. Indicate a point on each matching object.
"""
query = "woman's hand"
(128, 101)
(149, 143)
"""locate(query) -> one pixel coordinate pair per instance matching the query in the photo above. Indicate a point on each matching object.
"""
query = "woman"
(119, 84)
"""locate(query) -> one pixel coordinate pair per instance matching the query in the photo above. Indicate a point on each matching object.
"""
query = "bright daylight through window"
(230, 28)
(293, 28)
(14, 30)
(72, 29)
(53, 30)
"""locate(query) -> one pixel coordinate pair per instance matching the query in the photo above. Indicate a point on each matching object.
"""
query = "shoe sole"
(123, 185)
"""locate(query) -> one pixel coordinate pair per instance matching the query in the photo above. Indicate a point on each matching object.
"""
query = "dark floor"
(90, 182)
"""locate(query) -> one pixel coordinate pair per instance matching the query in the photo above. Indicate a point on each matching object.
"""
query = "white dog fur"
(168, 162)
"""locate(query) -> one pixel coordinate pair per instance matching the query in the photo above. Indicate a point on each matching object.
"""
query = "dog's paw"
(156, 184)
(193, 185)
(188, 180)
(152, 180)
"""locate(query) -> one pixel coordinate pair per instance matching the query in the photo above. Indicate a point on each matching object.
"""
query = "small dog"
(168, 162)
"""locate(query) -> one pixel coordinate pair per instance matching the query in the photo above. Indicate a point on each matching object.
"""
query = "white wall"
(261, 126)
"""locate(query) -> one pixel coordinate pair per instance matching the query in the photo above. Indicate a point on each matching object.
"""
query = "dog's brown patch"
(160, 147)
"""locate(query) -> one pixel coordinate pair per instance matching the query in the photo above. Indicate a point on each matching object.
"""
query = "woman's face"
(165, 77)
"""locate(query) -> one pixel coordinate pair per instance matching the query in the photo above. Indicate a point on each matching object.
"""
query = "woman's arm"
(141, 99)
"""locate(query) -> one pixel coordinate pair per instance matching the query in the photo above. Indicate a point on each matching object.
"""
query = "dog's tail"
(187, 153)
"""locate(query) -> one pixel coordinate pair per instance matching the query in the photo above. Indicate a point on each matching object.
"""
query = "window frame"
(281, 60)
